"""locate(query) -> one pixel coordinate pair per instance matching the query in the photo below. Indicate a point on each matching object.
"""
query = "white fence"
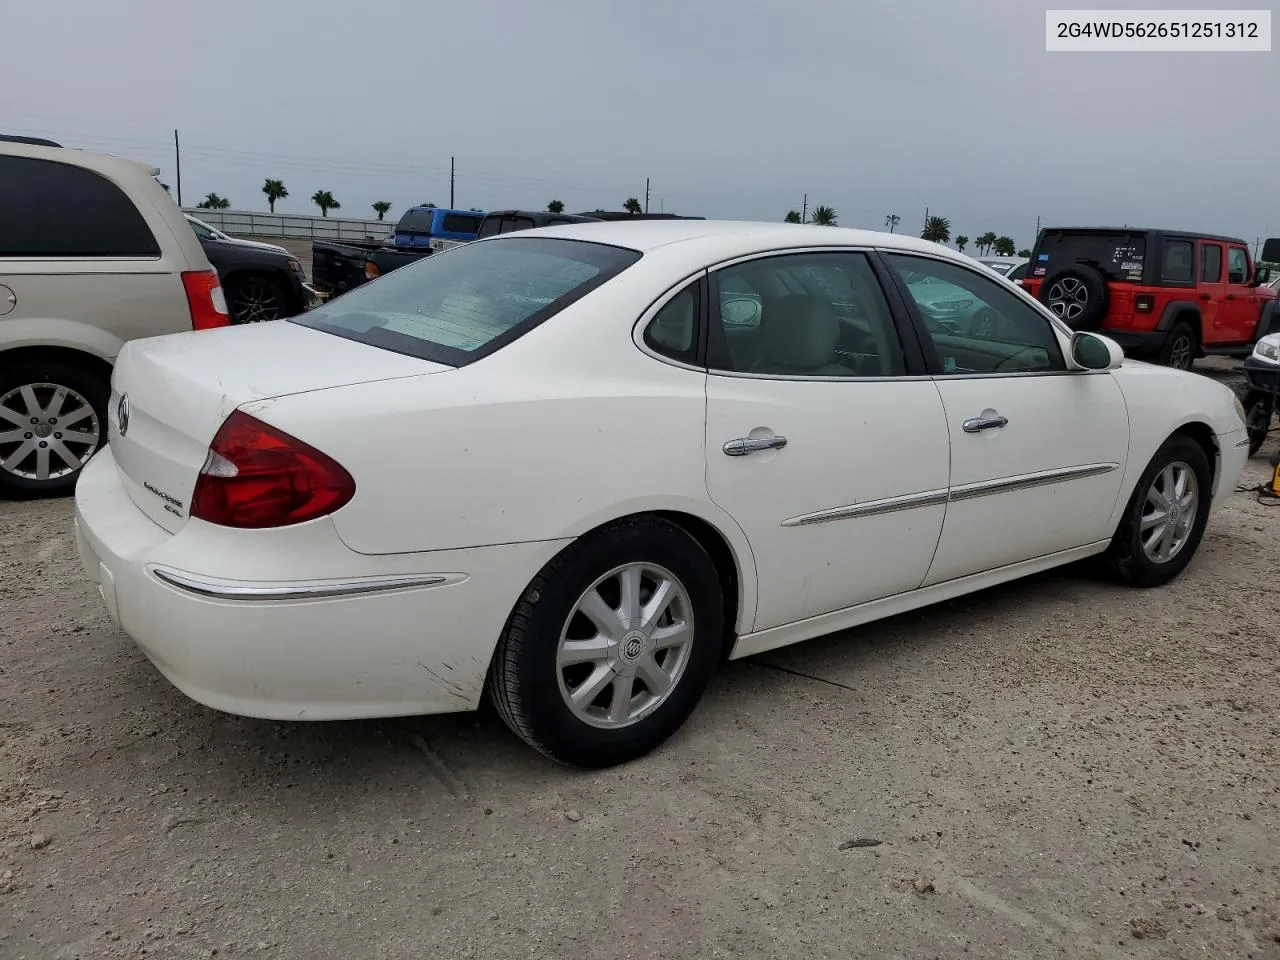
(246, 223)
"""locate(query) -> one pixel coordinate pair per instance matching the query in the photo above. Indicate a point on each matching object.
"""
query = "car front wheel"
(612, 645)
(1165, 518)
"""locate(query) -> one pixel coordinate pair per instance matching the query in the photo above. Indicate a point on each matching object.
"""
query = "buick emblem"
(122, 414)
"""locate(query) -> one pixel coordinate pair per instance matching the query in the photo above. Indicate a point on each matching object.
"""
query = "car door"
(825, 441)
(1240, 309)
(1037, 451)
(1213, 288)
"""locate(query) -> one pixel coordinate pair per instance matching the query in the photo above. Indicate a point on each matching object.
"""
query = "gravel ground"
(1055, 768)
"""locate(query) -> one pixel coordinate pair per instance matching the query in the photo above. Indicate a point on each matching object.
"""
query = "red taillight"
(371, 271)
(1144, 303)
(204, 298)
(257, 476)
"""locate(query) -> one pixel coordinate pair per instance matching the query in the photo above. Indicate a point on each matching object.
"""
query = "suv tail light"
(205, 299)
(256, 476)
(1144, 303)
(371, 271)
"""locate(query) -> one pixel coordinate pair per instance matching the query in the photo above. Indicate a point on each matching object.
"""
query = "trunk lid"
(171, 394)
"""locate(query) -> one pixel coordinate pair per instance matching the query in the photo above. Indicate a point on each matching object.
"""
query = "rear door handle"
(744, 445)
(978, 424)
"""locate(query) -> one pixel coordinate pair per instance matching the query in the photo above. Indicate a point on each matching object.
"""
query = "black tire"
(44, 377)
(256, 299)
(1257, 417)
(524, 680)
(1180, 346)
(1077, 295)
(1126, 556)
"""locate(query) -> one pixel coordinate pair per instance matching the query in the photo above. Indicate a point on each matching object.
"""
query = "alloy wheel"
(254, 302)
(1169, 512)
(47, 431)
(625, 645)
(1182, 352)
(1068, 298)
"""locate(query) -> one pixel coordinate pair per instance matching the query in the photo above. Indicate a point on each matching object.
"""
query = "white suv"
(93, 252)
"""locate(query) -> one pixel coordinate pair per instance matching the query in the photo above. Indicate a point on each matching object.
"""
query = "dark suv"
(1164, 295)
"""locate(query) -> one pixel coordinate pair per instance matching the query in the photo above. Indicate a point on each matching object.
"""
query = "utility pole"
(451, 180)
(1256, 242)
(891, 221)
(177, 160)
(804, 210)
(926, 220)
(1037, 231)
(646, 194)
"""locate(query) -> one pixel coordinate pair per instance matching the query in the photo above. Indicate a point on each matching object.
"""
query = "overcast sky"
(734, 108)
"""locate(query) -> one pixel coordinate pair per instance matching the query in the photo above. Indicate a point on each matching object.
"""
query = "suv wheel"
(1077, 295)
(256, 300)
(53, 418)
(1179, 350)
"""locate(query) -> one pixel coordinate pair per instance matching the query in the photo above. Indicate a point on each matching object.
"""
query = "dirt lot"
(1057, 768)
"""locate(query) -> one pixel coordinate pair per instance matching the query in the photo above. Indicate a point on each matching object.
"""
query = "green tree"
(793, 216)
(324, 200)
(1024, 252)
(823, 216)
(555, 206)
(1004, 246)
(275, 190)
(961, 242)
(937, 229)
(381, 207)
(632, 206)
(429, 206)
(213, 202)
(985, 242)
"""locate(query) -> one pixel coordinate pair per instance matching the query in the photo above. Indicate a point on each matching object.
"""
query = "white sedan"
(573, 468)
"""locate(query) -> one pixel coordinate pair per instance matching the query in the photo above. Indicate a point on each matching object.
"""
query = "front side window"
(804, 315)
(1237, 265)
(977, 325)
(461, 305)
(52, 209)
(1210, 263)
(1176, 263)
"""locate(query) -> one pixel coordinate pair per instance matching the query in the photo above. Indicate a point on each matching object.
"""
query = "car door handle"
(744, 445)
(978, 424)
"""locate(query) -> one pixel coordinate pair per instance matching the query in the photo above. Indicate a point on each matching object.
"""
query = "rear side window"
(1176, 263)
(459, 306)
(51, 209)
(490, 227)
(1210, 263)
(1118, 255)
(460, 223)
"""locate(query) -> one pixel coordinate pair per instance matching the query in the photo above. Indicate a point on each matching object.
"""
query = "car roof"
(113, 167)
(647, 235)
(1180, 234)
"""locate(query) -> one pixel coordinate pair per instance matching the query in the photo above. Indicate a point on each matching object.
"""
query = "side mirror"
(1089, 351)
(1271, 250)
(1261, 275)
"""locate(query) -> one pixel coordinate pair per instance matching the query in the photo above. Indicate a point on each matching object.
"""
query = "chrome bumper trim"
(304, 590)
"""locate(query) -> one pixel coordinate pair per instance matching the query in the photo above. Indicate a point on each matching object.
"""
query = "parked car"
(261, 281)
(205, 232)
(93, 253)
(1171, 296)
(1013, 269)
(545, 467)
(435, 228)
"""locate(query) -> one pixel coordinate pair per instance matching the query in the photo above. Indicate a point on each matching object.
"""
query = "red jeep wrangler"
(1161, 294)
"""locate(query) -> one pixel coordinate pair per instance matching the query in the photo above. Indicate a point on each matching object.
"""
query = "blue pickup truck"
(436, 228)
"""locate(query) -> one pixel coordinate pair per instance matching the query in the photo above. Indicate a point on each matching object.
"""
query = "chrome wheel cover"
(47, 431)
(1169, 512)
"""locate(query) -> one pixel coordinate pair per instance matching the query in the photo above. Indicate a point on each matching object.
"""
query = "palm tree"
(986, 241)
(555, 206)
(961, 242)
(324, 200)
(1005, 246)
(275, 190)
(793, 216)
(823, 216)
(632, 206)
(937, 229)
(429, 206)
(213, 202)
(1024, 253)
(381, 207)
(891, 220)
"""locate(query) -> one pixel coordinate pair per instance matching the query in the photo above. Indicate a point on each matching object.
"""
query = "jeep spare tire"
(1077, 295)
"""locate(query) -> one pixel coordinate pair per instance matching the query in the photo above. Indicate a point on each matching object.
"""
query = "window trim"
(934, 363)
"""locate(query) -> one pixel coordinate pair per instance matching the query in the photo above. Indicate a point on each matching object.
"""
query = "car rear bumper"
(351, 636)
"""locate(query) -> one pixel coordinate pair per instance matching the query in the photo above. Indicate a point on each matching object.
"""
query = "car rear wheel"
(612, 644)
(1164, 520)
(1179, 350)
(256, 300)
(53, 418)
(1257, 418)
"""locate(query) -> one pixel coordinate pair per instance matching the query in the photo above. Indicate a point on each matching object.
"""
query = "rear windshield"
(416, 221)
(1120, 256)
(458, 306)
